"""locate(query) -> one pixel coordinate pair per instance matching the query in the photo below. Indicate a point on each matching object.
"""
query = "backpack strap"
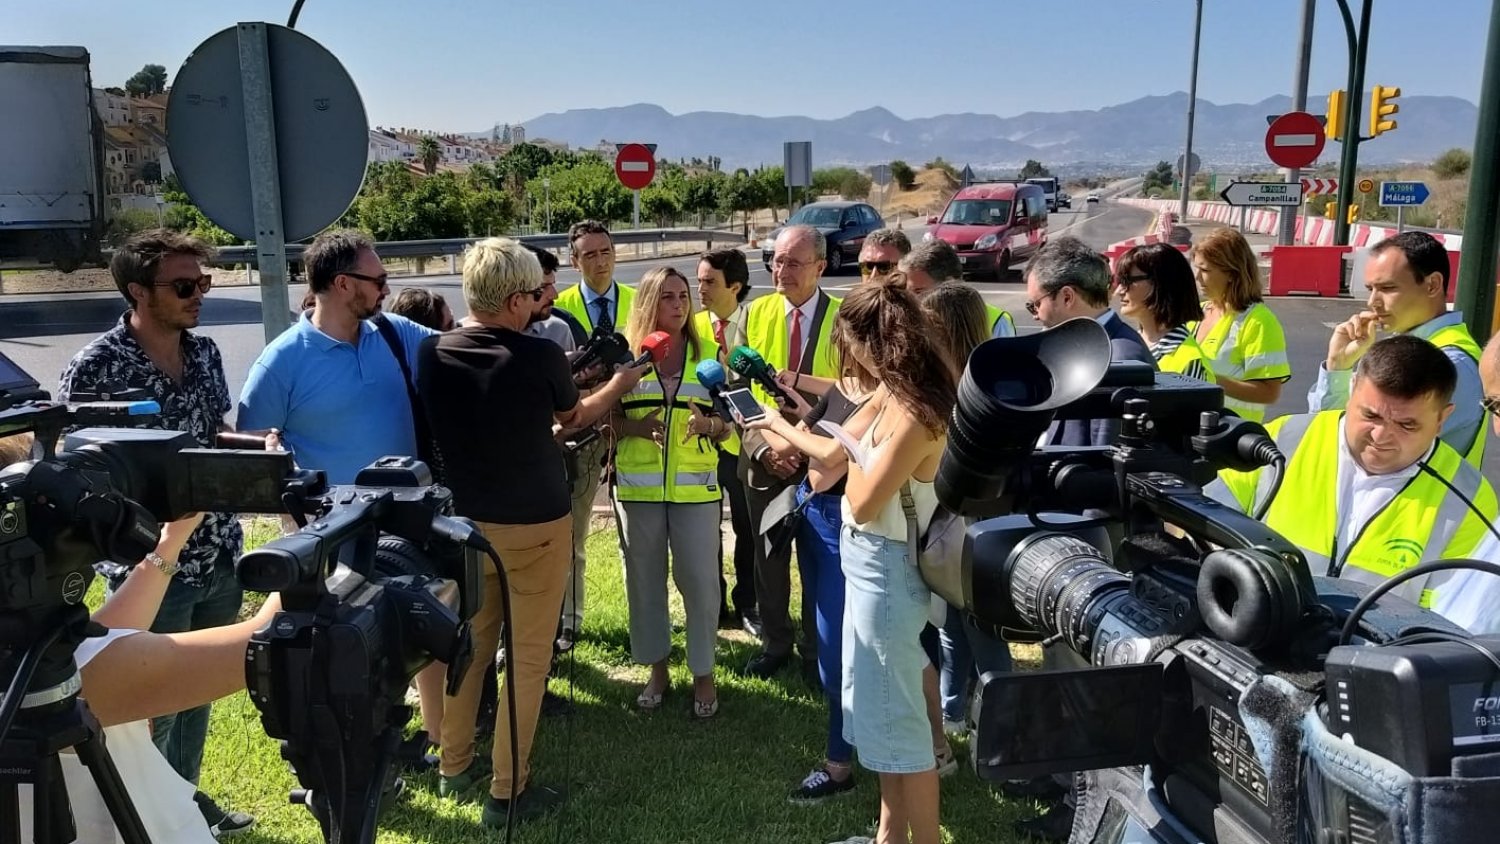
(427, 450)
(909, 507)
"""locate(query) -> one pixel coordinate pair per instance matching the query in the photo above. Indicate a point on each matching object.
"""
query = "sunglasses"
(1126, 281)
(377, 280)
(869, 268)
(1491, 405)
(184, 287)
(1031, 304)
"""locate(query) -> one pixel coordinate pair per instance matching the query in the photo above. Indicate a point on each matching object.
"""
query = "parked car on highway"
(1093, 197)
(845, 224)
(993, 225)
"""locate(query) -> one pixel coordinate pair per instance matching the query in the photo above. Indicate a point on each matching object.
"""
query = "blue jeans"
(180, 737)
(818, 562)
(885, 608)
(968, 653)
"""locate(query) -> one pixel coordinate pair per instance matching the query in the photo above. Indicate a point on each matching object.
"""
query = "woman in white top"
(902, 431)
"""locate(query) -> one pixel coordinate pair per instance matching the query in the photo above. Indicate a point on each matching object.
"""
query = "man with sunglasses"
(882, 250)
(332, 383)
(160, 274)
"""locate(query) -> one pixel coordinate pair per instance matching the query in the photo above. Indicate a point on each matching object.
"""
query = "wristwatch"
(162, 565)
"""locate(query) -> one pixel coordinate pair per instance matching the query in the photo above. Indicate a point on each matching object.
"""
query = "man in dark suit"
(1066, 280)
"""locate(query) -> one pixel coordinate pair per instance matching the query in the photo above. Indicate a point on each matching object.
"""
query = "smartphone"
(744, 403)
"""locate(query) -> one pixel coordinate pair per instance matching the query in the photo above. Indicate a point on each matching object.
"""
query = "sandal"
(648, 700)
(705, 708)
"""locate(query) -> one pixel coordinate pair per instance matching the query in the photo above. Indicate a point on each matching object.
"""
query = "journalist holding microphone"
(666, 490)
(493, 394)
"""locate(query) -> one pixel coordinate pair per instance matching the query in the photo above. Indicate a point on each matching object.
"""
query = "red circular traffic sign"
(635, 165)
(1295, 139)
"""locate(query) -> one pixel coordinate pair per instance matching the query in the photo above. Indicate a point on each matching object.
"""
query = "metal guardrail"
(455, 246)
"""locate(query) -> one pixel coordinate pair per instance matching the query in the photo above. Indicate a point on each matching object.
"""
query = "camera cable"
(1410, 574)
(507, 642)
(1277, 466)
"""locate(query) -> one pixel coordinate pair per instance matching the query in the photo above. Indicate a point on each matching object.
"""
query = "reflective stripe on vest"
(1183, 356)
(675, 471)
(1458, 337)
(1424, 521)
(766, 332)
(571, 300)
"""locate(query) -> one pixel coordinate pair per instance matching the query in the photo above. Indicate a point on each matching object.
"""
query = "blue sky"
(452, 65)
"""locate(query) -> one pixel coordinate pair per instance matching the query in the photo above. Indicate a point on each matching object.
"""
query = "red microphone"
(655, 348)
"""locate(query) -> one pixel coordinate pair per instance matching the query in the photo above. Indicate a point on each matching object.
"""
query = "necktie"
(794, 356)
(604, 322)
(719, 331)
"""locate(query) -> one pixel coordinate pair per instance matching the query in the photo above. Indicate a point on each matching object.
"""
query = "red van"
(993, 225)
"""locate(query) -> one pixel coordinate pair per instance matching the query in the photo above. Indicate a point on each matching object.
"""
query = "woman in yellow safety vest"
(1155, 290)
(1243, 339)
(666, 492)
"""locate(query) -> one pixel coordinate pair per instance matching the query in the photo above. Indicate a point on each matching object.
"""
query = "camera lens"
(1056, 583)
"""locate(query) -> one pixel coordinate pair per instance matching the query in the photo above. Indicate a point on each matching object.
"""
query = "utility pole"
(1288, 217)
(1476, 272)
(1354, 98)
(1187, 153)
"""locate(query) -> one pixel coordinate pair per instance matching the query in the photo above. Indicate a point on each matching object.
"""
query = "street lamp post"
(547, 200)
(1187, 153)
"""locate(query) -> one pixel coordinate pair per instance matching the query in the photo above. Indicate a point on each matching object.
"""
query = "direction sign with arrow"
(1403, 193)
(1263, 193)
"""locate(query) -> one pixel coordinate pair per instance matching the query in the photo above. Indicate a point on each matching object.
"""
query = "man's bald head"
(1489, 375)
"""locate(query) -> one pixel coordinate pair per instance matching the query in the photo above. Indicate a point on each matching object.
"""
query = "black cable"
(1410, 574)
(508, 643)
(1422, 464)
(291, 22)
(1278, 465)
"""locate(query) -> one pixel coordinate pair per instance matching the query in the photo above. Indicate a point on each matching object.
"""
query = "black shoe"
(566, 640)
(555, 705)
(221, 824)
(1036, 788)
(1055, 825)
(819, 786)
(750, 620)
(765, 666)
(535, 800)
(728, 619)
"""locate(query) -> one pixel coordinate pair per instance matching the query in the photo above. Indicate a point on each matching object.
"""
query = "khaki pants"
(536, 559)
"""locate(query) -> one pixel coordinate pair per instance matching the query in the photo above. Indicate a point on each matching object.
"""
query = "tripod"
(38, 723)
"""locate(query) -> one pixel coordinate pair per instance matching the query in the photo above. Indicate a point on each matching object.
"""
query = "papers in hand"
(856, 451)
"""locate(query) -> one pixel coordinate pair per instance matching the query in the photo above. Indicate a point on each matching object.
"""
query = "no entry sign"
(635, 165)
(1295, 139)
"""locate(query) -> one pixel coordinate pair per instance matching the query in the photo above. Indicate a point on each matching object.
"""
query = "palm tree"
(429, 151)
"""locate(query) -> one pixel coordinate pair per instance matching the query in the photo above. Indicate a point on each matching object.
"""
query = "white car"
(1093, 197)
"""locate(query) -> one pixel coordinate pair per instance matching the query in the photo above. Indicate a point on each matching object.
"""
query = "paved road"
(41, 334)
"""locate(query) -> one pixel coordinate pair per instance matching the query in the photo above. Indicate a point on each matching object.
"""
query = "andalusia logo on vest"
(1405, 552)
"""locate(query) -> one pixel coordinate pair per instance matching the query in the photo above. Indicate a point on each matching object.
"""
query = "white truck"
(52, 202)
(1051, 187)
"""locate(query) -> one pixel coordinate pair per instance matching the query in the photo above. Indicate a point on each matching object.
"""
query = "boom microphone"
(748, 362)
(711, 376)
(654, 349)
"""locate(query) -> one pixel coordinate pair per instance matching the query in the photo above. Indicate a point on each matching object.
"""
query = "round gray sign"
(322, 136)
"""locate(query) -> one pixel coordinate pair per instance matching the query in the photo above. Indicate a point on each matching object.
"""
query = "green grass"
(659, 778)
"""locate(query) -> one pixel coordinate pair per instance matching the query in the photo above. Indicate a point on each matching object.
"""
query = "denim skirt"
(885, 607)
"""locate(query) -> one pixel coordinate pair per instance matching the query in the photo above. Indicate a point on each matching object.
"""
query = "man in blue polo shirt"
(332, 383)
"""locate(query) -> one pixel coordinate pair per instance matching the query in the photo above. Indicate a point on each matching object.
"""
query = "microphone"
(748, 362)
(654, 349)
(711, 376)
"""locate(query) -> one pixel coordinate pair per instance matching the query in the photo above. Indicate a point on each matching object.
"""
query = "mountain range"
(1126, 136)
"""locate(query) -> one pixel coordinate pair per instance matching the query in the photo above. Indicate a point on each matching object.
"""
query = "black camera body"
(1204, 686)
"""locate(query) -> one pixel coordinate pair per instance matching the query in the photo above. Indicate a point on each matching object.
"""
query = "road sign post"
(635, 167)
(265, 178)
(1295, 139)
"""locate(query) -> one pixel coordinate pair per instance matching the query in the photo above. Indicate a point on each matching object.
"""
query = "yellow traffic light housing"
(1383, 109)
(1335, 124)
(1353, 212)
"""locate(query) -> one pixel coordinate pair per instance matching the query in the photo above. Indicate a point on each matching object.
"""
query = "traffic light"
(1353, 212)
(1383, 109)
(1335, 124)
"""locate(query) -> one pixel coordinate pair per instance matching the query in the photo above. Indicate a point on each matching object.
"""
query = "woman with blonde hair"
(1243, 340)
(666, 492)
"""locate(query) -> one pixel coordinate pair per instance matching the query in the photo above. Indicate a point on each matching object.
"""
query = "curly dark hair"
(885, 318)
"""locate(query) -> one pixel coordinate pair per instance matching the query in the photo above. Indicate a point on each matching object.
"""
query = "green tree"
(939, 164)
(904, 177)
(182, 215)
(584, 189)
(1453, 164)
(429, 153)
(1033, 169)
(844, 181)
(151, 172)
(1159, 178)
(702, 193)
(771, 189)
(741, 193)
(151, 79)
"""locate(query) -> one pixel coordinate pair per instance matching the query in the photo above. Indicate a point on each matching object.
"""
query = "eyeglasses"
(535, 293)
(869, 268)
(1031, 305)
(781, 263)
(1491, 405)
(184, 287)
(377, 280)
(1125, 281)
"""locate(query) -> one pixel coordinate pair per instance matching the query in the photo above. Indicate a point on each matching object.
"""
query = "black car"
(845, 224)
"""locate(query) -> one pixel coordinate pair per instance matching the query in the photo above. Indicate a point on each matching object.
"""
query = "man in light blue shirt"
(1407, 276)
(331, 383)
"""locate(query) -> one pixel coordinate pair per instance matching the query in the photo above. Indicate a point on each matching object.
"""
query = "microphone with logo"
(654, 348)
(711, 376)
(748, 362)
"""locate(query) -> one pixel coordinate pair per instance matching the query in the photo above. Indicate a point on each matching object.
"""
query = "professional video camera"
(1225, 702)
(382, 581)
